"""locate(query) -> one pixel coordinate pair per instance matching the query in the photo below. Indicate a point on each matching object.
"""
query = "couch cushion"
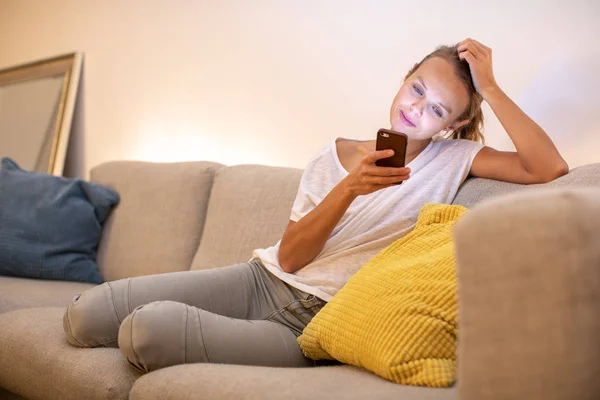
(17, 293)
(158, 224)
(37, 362)
(476, 189)
(233, 382)
(249, 208)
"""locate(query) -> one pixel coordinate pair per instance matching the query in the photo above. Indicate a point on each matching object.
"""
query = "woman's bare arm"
(304, 240)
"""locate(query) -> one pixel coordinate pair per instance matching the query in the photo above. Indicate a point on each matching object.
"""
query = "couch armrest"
(529, 296)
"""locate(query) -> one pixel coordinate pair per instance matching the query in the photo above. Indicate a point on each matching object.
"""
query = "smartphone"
(397, 141)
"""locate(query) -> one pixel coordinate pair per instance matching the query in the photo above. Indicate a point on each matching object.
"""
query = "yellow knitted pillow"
(397, 316)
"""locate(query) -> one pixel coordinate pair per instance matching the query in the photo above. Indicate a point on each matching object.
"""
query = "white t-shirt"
(373, 221)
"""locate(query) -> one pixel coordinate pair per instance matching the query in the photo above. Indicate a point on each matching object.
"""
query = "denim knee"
(91, 320)
(155, 335)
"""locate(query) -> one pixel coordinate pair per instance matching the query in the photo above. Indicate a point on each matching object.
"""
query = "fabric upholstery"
(50, 226)
(529, 284)
(474, 190)
(35, 358)
(397, 316)
(36, 361)
(249, 208)
(17, 293)
(236, 382)
(158, 224)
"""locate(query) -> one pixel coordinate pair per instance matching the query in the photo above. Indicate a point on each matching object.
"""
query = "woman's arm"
(304, 240)
(537, 158)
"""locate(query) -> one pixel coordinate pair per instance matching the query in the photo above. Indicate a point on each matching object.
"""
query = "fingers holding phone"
(367, 177)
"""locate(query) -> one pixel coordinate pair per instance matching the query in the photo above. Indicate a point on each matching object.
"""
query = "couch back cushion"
(249, 208)
(157, 226)
(476, 189)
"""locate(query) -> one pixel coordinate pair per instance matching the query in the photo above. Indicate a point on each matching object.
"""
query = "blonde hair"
(473, 129)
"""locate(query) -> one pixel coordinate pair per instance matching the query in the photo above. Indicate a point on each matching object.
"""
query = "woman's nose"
(416, 109)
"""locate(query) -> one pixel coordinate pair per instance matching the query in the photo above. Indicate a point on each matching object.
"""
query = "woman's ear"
(458, 124)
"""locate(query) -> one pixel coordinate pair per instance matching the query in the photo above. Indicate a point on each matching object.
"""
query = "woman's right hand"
(367, 177)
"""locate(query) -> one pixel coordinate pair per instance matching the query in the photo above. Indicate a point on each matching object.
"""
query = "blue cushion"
(50, 226)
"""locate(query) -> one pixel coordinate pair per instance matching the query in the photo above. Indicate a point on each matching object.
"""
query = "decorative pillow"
(397, 316)
(50, 226)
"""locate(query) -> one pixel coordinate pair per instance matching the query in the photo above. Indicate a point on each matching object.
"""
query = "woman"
(346, 211)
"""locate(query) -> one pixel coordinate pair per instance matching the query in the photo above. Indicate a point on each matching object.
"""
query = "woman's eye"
(437, 111)
(418, 90)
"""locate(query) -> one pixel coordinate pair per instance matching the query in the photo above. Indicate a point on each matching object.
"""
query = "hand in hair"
(479, 58)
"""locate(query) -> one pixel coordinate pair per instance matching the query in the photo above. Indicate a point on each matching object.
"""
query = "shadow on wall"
(75, 161)
(564, 100)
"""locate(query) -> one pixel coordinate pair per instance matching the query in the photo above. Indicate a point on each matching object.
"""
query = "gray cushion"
(37, 362)
(50, 226)
(158, 224)
(249, 208)
(17, 293)
(475, 190)
(234, 382)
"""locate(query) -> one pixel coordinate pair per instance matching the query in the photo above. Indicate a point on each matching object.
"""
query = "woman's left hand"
(479, 58)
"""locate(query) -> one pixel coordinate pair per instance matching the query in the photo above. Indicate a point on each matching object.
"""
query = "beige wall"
(271, 82)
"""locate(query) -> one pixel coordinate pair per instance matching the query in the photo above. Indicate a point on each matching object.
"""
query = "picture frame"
(37, 100)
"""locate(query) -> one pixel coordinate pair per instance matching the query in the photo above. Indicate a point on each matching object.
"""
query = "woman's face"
(430, 100)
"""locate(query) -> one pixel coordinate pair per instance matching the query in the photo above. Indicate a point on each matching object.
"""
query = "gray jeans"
(240, 314)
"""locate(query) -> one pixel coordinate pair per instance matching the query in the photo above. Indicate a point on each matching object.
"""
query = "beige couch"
(529, 290)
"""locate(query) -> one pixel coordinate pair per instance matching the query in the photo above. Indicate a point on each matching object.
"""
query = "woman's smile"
(405, 120)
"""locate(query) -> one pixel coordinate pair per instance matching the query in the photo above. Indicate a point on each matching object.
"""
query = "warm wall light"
(174, 145)
(178, 143)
